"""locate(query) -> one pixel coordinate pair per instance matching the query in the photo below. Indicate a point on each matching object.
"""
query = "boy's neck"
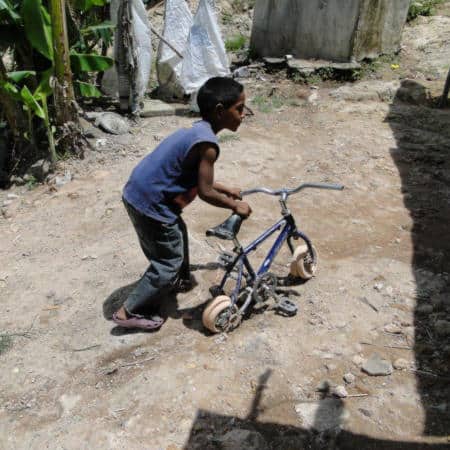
(216, 127)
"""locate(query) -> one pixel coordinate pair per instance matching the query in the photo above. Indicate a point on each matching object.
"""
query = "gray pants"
(166, 247)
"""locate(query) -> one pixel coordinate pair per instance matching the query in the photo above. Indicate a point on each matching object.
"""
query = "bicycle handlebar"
(286, 192)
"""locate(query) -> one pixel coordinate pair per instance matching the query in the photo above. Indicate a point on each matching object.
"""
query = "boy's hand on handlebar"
(235, 193)
(242, 209)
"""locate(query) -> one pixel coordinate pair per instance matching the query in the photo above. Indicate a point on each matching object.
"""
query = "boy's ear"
(219, 109)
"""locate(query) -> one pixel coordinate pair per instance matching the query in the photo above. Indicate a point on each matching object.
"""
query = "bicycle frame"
(288, 231)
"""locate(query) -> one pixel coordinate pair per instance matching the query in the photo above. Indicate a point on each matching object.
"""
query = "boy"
(166, 181)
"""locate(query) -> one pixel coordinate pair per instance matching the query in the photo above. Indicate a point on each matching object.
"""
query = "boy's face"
(231, 117)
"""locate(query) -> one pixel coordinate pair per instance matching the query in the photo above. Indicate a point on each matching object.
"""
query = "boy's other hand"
(242, 209)
(235, 193)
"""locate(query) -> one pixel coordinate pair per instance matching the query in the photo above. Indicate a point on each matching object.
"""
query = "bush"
(235, 43)
(422, 8)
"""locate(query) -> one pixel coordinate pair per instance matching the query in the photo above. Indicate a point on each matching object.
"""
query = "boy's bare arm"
(206, 187)
(232, 192)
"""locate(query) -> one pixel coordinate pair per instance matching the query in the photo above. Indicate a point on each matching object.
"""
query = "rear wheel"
(303, 264)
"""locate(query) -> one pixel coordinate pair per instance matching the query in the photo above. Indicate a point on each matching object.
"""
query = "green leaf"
(10, 89)
(20, 75)
(7, 9)
(89, 63)
(31, 102)
(44, 83)
(86, 5)
(87, 89)
(38, 27)
(103, 31)
(106, 25)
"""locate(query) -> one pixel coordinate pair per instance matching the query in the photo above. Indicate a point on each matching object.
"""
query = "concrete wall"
(336, 30)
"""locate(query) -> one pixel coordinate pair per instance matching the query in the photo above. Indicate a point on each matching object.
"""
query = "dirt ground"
(70, 379)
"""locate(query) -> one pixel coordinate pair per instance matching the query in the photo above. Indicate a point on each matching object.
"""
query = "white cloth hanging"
(177, 24)
(205, 55)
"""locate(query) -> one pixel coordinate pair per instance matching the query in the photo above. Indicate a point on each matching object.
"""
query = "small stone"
(446, 351)
(389, 290)
(424, 309)
(365, 412)
(401, 364)
(349, 378)
(112, 123)
(6, 213)
(323, 386)
(18, 181)
(339, 391)
(62, 180)
(40, 169)
(379, 287)
(377, 366)
(323, 415)
(12, 196)
(357, 360)
(239, 438)
(437, 302)
(393, 328)
(442, 327)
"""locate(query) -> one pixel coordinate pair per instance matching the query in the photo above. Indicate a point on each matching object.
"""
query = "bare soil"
(71, 379)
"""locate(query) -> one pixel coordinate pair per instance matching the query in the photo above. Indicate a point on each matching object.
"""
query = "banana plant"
(25, 27)
(35, 104)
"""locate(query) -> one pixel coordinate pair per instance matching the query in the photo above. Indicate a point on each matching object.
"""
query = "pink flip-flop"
(137, 321)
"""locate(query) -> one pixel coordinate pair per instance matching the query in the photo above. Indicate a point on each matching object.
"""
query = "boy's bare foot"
(121, 314)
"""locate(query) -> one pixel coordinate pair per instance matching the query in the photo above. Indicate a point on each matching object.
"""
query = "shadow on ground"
(422, 156)
(212, 431)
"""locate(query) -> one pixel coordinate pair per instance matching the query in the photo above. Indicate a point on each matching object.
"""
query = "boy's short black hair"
(225, 91)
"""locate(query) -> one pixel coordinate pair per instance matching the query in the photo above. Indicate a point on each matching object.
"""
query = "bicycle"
(256, 288)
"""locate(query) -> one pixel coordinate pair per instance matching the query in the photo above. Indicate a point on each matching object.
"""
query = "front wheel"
(304, 265)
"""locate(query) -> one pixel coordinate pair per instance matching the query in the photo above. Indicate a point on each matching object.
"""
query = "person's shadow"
(422, 156)
(323, 429)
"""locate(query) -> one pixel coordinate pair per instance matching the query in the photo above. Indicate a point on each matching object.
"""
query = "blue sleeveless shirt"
(161, 184)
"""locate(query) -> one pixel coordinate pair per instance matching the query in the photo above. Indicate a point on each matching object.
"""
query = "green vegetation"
(267, 104)
(229, 137)
(227, 18)
(5, 343)
(27, 104)
(235, 43)
(240, 6)
(370, 67)
(422, 8)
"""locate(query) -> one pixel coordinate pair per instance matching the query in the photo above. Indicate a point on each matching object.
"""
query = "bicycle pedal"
(225, 258)
(286, 308)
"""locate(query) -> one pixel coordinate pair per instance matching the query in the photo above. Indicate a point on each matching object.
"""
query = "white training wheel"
(302, 264)
(212, 311)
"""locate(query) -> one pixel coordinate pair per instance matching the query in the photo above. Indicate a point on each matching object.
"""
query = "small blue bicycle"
(245, 286)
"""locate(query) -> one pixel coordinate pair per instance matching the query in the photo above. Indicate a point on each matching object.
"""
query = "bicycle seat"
(227, 230)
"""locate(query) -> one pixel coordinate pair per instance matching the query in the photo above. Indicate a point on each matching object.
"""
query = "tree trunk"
(69, 135)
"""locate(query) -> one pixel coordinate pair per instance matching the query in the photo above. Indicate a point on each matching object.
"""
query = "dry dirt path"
(72, 380)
